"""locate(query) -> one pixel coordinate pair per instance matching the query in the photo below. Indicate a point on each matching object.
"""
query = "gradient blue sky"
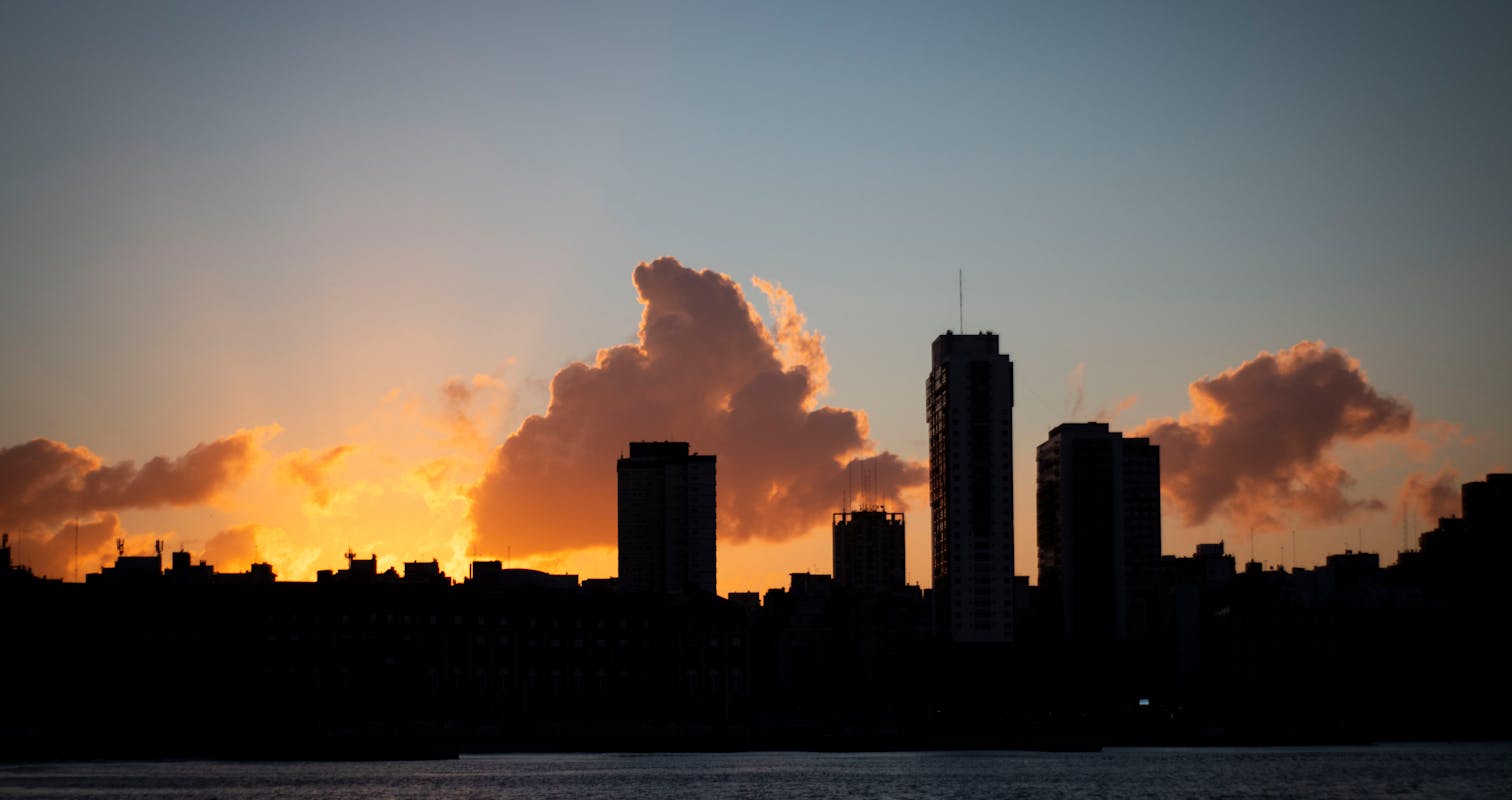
(221, 215)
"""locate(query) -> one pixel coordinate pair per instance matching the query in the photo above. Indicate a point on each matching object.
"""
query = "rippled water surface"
(1412, 770)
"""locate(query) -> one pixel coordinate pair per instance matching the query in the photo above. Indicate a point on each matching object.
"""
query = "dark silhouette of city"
(1117, 644)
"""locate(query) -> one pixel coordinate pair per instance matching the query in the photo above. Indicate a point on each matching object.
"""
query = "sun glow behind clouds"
(393, 484)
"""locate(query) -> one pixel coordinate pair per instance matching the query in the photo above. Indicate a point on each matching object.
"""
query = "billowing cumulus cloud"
(42, 481)
(1425, 498)
(705, 370)
(1258, 440)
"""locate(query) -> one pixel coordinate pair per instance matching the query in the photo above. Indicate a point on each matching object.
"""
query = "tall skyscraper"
(1098, 501)
(868, 550)
(666, 519)
(969, 402)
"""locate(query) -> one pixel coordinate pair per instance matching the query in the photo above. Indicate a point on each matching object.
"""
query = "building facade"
(969, 402)
(667, 518)
(1098, 502)
(868, 550)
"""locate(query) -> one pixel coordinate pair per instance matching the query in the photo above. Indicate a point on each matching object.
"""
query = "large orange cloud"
(1258, 440)
(705, 370)
(42, 481)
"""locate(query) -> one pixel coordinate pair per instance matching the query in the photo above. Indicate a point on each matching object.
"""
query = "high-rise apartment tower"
(666, 519)
(1098, 502)
(969, 402)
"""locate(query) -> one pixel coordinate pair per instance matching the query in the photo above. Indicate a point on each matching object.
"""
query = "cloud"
(1429, 497)
(705, 369)
(42, 481)
(464, 427)
(51, 553)
(1258, 440)
(1076, 392)
(1104, 414)
(311, 470)
(1076, 397)
(234, 549)
(797, 346)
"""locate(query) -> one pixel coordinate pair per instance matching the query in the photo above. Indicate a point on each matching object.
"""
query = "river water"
(1394, 770)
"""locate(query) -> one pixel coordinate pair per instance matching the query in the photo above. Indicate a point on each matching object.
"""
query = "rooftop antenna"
(961, 296)
(1294, 548)
(76, 548)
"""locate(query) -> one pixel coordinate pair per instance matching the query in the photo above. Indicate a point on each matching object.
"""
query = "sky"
(286, 280)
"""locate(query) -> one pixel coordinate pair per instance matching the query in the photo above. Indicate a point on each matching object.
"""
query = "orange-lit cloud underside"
(705, 370)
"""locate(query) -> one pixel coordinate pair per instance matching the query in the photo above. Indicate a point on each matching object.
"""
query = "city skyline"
(1309, 374)
(309, 271)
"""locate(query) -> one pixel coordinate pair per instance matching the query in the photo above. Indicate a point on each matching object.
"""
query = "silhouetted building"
(425, 572)
(1465, 556)
(1487, 509)
(868, 550)
(493, 575)
(1196, 589)
(666, 519)
(1212, 567)
(130, 568)
(750, 601)
(1098, 500)
(11, 572)
(184, 570)
(359, 570)
(256, 575)
(1487, 504)
(969, 403)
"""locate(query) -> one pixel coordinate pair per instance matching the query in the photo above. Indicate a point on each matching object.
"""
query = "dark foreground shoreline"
(442, 741)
